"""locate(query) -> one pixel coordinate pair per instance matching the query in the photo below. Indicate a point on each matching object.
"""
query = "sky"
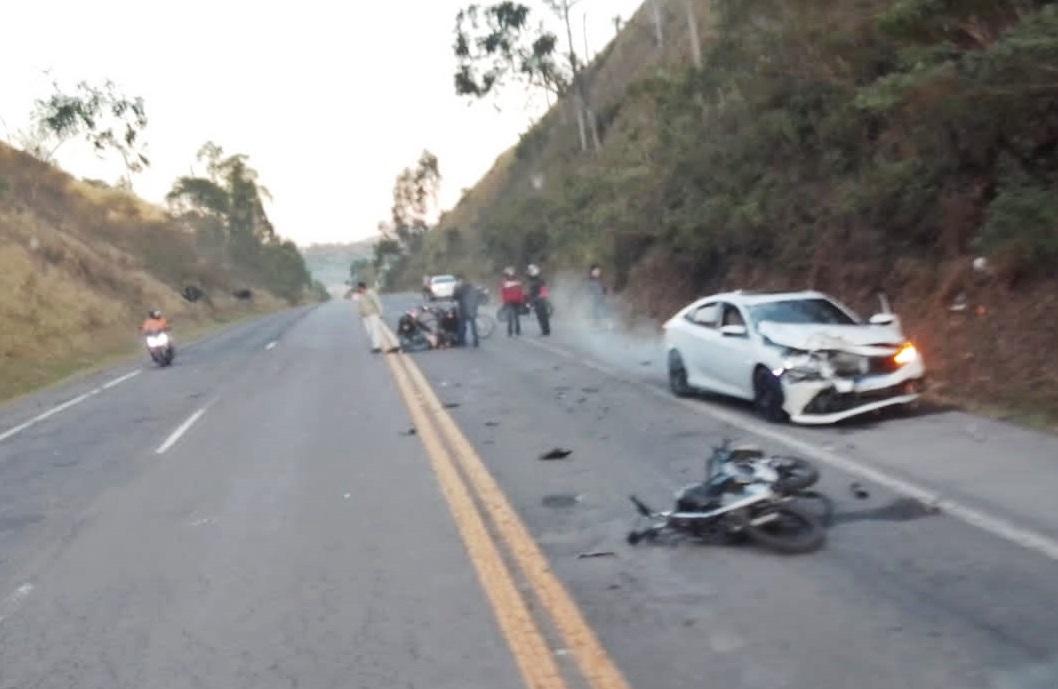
(329, 99)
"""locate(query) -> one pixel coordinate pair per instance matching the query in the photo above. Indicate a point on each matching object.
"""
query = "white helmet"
(533, 269)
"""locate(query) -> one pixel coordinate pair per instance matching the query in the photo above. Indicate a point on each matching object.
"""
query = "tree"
(586, 123)
(106, 119)
(496, 44)
(415, 198)
(227, 208)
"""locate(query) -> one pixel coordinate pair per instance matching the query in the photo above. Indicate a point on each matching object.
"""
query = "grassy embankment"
(81, 263)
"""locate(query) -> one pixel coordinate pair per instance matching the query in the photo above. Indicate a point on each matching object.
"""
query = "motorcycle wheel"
(794, 474)
(821, 506)
(792, 531)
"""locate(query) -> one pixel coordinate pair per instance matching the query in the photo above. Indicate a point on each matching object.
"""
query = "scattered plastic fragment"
(557, 453)
(596, 553)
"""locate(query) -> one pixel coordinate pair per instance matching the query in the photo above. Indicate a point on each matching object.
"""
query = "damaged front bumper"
(831, 399)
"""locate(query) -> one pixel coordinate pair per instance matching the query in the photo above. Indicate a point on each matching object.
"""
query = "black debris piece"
(589, 389)
(645, 363)
(859, 491)
(596, 553)
(492, 424)
(451, 405)
(410, 431)
(557, 453)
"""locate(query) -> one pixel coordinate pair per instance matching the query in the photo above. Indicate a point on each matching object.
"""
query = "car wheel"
(768, 396)
(678, 376)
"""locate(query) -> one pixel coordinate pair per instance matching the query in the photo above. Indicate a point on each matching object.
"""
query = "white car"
(797, 355)
(442, 287)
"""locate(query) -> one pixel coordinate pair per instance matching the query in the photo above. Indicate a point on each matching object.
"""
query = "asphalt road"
(260, 516)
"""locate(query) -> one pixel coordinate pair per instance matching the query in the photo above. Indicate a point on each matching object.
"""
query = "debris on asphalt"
(492, 424)
(589, 389)
(347, 496)
(557, 453)
(645, 363)
(596, 553)
(451, 405)
(859, 491)
(410, 431)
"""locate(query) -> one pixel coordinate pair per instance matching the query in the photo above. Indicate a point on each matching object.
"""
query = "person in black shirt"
(468, 297)
(538, 297)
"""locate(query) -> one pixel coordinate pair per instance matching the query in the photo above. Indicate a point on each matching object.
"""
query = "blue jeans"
(468, 322)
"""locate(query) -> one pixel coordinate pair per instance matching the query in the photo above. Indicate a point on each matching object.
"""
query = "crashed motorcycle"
(160, 347)
(745, 495)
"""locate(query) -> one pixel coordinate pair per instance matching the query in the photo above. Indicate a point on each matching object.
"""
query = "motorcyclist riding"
(159, 344)
(155, 323)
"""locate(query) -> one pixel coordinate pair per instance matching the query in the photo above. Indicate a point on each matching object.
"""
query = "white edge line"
(66, 405)
(121, 379)
(996, 526)
(180, 430)
(51, 412)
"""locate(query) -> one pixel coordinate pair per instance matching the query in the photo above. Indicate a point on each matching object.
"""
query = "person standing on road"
(370, 308)
(468, 298)
(538, 295)
(597, 294)
(513, 297)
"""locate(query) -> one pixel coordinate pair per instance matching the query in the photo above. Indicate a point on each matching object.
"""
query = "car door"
(703, 345)
(733, 353)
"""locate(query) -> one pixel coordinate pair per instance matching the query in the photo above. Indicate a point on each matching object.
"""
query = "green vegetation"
(226, 209)
(81, 262)
(850, 146)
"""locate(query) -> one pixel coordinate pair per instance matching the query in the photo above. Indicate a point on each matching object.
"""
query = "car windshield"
(821, 311)
(443, 278)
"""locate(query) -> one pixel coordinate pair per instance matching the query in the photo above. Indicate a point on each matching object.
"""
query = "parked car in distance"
(797, 355)
(442, 287)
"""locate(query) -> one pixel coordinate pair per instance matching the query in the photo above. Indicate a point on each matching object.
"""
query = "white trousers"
(373, 325)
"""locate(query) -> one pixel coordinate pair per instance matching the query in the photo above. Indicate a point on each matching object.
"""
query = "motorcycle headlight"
(159, 340)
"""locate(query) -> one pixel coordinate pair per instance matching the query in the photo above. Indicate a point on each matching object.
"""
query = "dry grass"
(79, 267)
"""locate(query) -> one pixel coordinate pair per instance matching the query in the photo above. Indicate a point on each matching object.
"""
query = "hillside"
(880, 145)
(81, 263)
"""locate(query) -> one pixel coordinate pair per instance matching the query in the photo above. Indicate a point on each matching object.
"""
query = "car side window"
(707, 315)
(732, 316)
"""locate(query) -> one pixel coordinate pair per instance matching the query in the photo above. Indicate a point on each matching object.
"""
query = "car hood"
(857, 339)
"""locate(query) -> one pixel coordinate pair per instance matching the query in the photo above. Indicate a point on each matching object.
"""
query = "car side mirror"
(882, 319)
(733, 331)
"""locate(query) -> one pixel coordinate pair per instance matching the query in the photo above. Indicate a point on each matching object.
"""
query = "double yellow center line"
(477, 502)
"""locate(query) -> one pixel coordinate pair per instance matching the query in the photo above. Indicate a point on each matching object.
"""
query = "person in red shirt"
(513, 295)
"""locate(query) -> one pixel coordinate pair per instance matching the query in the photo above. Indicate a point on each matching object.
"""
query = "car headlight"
(906, 354)
(800, 366)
